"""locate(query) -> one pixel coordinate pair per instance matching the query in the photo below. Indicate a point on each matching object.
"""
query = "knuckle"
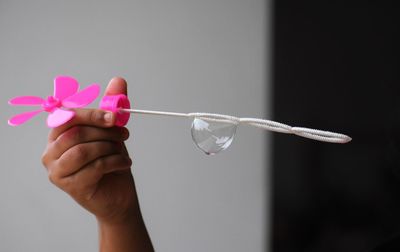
(125, 133)
(52, 177)
(80, 153)
(123, 161)
(95, 116)
(52, 135)
(98, 165)
(68, 185)
(62, 164)
(75, 133)
(128, 161)
(76, 155)
(44, 158)
(56, 145)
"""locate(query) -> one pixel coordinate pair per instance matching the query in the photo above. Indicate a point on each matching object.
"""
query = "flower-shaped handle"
(114, 103)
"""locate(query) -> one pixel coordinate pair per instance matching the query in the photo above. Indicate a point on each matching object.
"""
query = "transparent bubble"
(212, 135)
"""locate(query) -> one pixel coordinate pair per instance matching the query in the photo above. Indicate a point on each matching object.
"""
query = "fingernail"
(108, 116)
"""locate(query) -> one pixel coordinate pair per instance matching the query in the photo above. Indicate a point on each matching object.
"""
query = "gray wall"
(177, 55)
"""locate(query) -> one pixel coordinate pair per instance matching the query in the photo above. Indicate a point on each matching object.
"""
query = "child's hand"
(87, 158)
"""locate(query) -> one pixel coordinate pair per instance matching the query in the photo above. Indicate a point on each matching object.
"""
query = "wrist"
(119, 218)
(125, 233)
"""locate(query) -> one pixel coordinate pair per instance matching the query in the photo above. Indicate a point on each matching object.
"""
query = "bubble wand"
(210, 132)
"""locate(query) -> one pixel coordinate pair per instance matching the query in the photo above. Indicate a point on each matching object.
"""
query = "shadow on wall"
(334, 69)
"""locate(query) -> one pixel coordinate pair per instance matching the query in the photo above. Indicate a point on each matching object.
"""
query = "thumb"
(117, 85)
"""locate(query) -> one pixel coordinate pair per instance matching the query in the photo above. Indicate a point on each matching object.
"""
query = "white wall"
(177, 55)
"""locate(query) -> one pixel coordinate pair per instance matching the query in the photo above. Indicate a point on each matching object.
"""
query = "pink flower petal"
(59, 117)
(21, 118)
(83, 97)
(26, 100)
(64, 87)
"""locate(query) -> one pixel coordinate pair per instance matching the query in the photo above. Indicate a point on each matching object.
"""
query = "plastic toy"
(65, 95)
(210, 132)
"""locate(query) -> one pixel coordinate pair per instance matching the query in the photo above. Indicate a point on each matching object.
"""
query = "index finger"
(92, 117)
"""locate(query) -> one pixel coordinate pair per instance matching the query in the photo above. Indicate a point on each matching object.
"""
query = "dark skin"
(87, 159)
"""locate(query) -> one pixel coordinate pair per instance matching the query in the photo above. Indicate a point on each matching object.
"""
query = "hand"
(87, 158)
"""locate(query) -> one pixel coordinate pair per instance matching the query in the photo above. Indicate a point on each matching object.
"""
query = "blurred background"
(336, 68)
(178, 55)
(312, 64)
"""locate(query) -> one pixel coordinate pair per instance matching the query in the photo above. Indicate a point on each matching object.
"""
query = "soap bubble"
(213, 135)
